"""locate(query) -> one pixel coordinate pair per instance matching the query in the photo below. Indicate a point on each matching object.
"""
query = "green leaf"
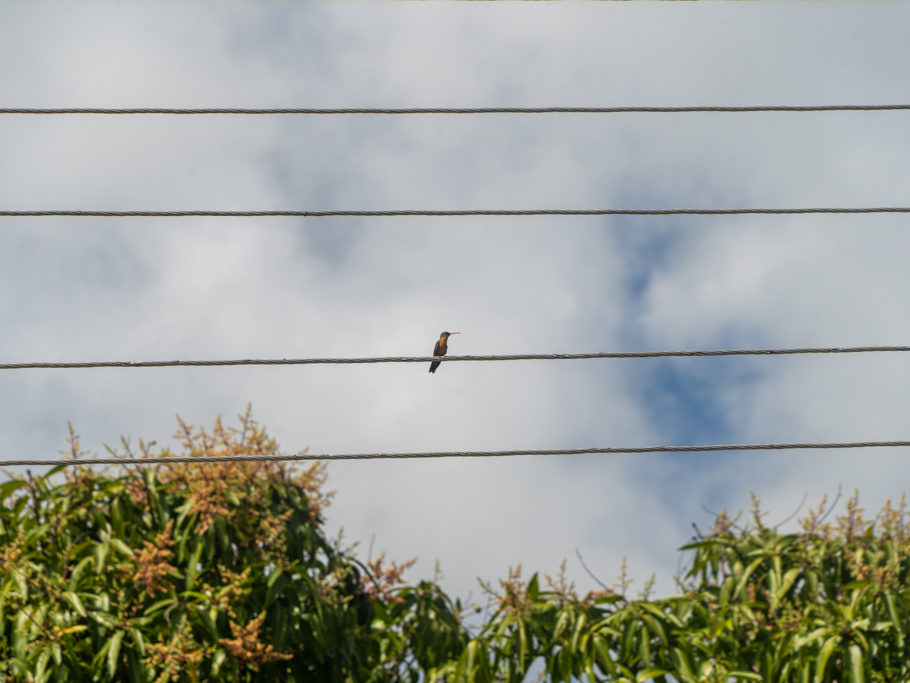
(589, 671)
(75, 602)
(193, 596)
(628, 640)
(41, 668)
(802, 641)
(78, 571)
(160, 605)
(579, 629)
(603, 655)
(563, 664)
(856, 664)
(649, 673)
(113, 653)
(655, 627)
(138, 640)
(117, 517)
(134, 664)
(812, 586)
(682, 662)
(740, 586)
(192, 565)
(98, 659)
(217, 660)
(789, 578)
(121, 547)
(825, 654)
(9, 487)
(208, 620)
(653, 609)
(561, 622)
(522, 645)
(892, 611)
(276, 582)
(100, 552)
(466, 663)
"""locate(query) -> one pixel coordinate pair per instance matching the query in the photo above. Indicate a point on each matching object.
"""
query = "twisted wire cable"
(306, 457)
(448, 359)
(92, 213)
(385, 111)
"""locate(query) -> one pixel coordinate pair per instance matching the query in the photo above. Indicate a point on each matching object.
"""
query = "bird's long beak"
(451, 333)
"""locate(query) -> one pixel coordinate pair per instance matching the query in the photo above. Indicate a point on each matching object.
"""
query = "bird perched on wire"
(441, 348)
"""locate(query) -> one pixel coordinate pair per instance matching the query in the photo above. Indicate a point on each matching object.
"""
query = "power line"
(452, 110)
(431, 213)
(446, 359)
(279, 457)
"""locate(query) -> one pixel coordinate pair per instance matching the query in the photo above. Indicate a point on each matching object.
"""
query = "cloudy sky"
(199, 288)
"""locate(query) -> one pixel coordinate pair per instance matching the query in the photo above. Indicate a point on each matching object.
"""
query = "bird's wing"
(436, 348)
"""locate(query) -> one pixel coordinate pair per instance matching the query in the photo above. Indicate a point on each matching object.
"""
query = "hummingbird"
(441, 348)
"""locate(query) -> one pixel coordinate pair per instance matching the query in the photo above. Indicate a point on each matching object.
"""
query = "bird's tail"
(434, 365)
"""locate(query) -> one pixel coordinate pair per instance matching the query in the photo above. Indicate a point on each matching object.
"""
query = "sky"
(83, 289)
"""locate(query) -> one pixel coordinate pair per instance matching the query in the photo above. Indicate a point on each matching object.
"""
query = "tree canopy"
(205, 571)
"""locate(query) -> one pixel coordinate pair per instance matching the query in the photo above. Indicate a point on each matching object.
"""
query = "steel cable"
(438, 213)
(322, 111)
(303, 456)
(447, 359)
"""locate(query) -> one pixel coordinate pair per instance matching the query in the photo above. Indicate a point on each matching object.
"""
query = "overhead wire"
(385, 111)
(447, 359)
(303, 456)
(387, 213)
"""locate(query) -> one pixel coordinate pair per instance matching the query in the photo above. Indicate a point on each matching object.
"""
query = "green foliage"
(195, 573)
(828, 604)
(183, 572)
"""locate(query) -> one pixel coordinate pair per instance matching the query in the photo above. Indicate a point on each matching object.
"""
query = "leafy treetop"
(195, 572)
